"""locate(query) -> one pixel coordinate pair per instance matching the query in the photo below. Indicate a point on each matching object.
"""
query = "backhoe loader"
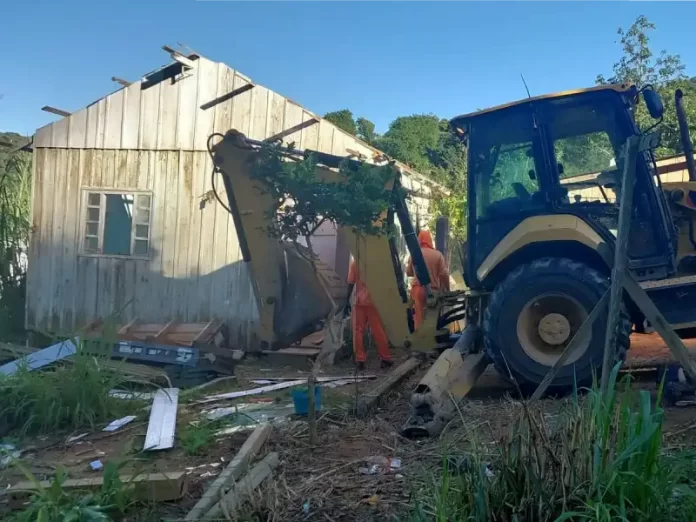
(543, 186)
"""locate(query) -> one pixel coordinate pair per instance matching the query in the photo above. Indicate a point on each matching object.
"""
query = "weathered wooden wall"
(194, 271)
(156, 139)
(169, 116)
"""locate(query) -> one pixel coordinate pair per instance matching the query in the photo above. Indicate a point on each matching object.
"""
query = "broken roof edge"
(412, 174)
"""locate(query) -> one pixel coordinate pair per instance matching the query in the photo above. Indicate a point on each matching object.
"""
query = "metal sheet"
(43, 357)
(162, 424)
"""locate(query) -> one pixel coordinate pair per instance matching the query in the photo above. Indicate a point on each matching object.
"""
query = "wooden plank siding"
(155, 140)
(194, 250)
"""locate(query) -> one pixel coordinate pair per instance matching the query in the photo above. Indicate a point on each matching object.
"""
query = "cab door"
(507, 179)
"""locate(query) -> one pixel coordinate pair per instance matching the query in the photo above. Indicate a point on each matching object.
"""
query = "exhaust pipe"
(687, 144)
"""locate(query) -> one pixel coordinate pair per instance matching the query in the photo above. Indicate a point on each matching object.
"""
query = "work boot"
(361, 366)
(386, 364)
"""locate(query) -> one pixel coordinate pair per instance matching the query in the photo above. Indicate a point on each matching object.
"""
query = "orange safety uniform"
(364, 314)
(439, 276)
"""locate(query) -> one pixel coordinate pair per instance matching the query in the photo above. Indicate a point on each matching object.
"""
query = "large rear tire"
(533, 315)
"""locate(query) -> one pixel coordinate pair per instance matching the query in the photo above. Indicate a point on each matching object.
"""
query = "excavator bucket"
(305, 301)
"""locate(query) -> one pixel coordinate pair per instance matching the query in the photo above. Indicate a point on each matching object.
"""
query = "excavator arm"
(290, 296)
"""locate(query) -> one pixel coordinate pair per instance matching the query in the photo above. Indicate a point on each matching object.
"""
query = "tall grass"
(67, 397)
(15, 195)
(601, 459)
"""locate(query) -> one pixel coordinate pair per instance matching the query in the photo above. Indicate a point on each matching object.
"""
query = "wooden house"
(122, 216)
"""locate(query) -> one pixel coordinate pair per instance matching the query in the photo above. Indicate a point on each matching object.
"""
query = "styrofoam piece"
(119, 423)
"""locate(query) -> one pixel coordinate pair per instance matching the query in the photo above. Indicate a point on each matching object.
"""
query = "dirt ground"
(334, 480)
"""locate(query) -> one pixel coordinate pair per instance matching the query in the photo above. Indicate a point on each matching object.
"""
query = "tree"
(342, 119)
(15, 193)
(639, 65)
(426, 143)
(366, 130)
(303, 200)
(410, 138)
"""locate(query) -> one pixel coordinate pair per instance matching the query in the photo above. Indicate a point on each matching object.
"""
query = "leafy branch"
(303, 201)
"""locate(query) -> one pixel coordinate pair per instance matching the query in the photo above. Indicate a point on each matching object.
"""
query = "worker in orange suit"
(439, 275)
(364, 313)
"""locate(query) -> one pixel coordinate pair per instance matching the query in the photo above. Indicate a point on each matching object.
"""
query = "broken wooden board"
(245, 487)
(42, 358)
(150, 487)
(162, 424)
(391, 380)
(172, 333)
(356, 377)
(232, 472)
(296, 356)
(253, 391)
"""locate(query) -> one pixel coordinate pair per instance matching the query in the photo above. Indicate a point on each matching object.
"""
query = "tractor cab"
(544, 179)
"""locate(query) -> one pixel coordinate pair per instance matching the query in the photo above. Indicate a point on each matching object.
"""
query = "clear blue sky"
(381, 60)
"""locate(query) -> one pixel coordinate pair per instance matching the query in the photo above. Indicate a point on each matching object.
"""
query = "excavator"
(544, 184)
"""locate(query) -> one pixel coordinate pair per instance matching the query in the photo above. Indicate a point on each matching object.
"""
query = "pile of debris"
(179, 354)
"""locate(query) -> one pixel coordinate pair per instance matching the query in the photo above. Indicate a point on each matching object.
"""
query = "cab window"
(587, 143)
(503, 163)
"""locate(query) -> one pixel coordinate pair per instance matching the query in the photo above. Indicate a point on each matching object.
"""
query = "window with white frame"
(116, 223)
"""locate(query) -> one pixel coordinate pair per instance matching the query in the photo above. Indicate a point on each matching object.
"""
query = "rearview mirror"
(654, 103)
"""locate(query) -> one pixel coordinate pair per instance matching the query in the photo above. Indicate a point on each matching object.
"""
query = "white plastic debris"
(96, 465)
(75, 438)
(8, 453)
(119, 423)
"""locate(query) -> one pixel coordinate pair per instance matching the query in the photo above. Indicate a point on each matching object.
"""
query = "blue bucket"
(300, 399)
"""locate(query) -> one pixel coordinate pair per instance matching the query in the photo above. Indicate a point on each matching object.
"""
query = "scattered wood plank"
(391, 380)
(236, 468)
(42, 358)
(245, 487)
(211, 383)
(166, 328)
(121, 81)
(154, 487)
(208, 331)
(127, 327)
(162, 424)
(53, 110)
(300, 351)
(253, 391)
(271, 380)
(179, 57)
